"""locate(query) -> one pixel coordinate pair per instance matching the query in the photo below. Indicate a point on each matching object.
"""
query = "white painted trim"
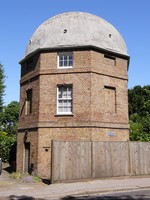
(64, 113)
(64, 54)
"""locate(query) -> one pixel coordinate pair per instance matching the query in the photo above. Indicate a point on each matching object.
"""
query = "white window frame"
(63, 99)
(65, 57)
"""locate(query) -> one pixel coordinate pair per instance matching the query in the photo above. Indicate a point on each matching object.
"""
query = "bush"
(6, 144)
(139, 113)
(140, 128)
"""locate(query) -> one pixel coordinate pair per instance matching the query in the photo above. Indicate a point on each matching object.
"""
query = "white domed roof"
(76, 29)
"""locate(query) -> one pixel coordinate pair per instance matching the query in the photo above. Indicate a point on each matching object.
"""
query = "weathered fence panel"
(92, 160)
(71, 161)
(110, 159)
(140, 158)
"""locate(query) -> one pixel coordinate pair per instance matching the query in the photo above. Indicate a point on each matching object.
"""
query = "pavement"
(12, 189)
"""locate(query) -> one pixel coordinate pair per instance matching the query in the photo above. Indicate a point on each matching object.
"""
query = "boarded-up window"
(28, 102)
(110, 99)
(30, 65)
(110, 60)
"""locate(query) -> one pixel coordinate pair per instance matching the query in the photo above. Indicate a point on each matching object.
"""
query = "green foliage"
(16, 175)
(36, 179)
(25, 177)
(8, 124)
(139, 113)
(2, 86)
(136, 131)
(6, 143)
(10, 117)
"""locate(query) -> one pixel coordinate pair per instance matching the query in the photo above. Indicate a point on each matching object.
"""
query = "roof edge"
(72, 48)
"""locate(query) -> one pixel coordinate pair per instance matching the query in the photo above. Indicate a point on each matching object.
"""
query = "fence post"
(52, 161)
(129, 161)
(91, 160)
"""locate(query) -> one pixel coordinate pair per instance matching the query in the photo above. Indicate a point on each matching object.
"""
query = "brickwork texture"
(100, 103)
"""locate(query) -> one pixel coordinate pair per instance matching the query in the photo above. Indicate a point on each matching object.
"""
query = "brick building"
(73, 87)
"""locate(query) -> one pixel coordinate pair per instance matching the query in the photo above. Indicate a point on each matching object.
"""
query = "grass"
(25, 177)
(16, 175)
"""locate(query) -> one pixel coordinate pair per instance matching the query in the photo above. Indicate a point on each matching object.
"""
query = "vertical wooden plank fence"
(140, 158)
(72, 161)
(110, 159)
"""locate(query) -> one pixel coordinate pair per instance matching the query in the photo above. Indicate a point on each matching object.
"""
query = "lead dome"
(76, 29)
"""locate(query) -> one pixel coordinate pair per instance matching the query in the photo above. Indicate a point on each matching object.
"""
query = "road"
(132, 195)
(138, 195)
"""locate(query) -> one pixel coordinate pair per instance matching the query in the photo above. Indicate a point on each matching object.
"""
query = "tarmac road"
(130, 195)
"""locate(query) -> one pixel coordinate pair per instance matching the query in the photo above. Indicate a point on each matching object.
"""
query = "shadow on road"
(106, 197)
(23, 197)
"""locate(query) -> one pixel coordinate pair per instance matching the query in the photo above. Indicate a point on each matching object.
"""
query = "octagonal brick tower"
(73, 87)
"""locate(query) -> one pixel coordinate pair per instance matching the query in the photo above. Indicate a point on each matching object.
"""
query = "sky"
(19, 19)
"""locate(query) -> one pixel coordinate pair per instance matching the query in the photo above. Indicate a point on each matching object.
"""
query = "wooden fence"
(72, 161)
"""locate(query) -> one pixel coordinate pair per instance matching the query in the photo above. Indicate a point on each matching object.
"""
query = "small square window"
(65, 60)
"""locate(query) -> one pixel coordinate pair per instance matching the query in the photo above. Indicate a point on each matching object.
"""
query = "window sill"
(64, 115)
(67, 67)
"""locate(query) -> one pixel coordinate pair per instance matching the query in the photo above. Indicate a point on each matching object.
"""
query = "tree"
(2, 86)
(10, 117)
(139, 113)
(6, 144)
(2, 89)
(8, 124)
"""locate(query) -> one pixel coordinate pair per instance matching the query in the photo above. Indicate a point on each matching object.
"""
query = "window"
(64, 99)
(28, 102)
(65, 60)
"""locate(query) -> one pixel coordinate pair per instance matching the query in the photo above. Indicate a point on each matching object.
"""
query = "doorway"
(27, 157)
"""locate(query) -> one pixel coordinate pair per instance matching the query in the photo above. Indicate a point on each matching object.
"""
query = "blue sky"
(19, 19)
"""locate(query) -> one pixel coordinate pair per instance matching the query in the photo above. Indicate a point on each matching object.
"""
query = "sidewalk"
(11, 187)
